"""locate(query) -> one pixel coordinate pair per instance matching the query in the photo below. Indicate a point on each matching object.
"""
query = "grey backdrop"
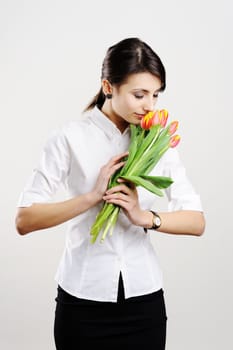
(50, 61)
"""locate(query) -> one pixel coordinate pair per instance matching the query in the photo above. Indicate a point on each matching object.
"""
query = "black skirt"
(136, 321)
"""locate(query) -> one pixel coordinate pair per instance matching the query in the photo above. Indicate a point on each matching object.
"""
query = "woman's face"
(132, 100)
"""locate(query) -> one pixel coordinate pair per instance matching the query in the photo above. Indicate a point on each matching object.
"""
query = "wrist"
(93, 198)
(146, 219)
(156, 221)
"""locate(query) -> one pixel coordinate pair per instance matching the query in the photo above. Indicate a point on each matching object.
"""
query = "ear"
(106, 87)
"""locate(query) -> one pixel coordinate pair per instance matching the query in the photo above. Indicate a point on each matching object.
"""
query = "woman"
(110, 293)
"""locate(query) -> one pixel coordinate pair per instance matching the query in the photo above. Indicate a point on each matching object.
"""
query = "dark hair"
(127, 57)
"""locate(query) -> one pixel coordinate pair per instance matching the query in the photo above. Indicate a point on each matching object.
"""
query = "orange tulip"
(174, 140)
(173, 127)
(147, 120)
(163, 117)
(158, 117)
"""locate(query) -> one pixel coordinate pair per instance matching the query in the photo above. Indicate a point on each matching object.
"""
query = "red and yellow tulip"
(173, 127)
(163, 117)
(148, 120)
(174, 140)
(158, 117)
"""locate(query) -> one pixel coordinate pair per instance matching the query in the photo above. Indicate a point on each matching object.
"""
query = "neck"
(120, 123)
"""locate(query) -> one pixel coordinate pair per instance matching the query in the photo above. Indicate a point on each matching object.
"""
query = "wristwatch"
(156, 221)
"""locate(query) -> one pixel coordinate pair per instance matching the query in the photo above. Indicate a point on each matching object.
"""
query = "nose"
(149, 104)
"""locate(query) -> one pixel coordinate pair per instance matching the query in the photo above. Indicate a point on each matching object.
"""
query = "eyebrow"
(144, 90)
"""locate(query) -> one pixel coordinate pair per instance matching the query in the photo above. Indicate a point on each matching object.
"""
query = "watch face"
(157, 221)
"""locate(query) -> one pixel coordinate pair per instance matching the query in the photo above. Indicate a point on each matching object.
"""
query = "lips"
(140, 115)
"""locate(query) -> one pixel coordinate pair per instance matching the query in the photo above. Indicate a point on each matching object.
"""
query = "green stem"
(110, 224)
(142, 154)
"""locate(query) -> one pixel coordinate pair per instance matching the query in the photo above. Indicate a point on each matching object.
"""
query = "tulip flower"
(159, 117)
(149, 141)
(173, 127)
(174, 140)
(156, 120)
(163, 117)
(147, 120)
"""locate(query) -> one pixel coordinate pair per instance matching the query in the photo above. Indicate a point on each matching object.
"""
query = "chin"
(136, 121)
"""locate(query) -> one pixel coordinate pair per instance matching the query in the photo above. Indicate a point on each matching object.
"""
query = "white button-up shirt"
(73, 156)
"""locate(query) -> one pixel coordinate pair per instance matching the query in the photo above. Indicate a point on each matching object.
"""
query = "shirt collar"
(104, 123)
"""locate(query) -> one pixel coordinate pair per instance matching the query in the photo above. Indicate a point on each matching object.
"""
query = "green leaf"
(159, 181)
(149, 140)
(145, 142)
(139, 181)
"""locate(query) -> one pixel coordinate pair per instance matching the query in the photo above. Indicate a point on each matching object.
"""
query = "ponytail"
(98, 100)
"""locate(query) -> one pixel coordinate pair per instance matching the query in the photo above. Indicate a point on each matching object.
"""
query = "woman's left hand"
(126, 196)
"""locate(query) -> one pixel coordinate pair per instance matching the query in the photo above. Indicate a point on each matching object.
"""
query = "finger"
(129, 183)
(115, 198)
(115, 159)
(121, 180)
(120, 188)
(115, 167)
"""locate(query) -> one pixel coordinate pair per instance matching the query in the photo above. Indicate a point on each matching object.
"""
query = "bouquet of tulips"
(149, 141)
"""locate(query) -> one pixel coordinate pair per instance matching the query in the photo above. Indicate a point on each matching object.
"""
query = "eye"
(139, 96)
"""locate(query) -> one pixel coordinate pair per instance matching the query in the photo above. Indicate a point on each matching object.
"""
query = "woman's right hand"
(106, 172)
(44, 215)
